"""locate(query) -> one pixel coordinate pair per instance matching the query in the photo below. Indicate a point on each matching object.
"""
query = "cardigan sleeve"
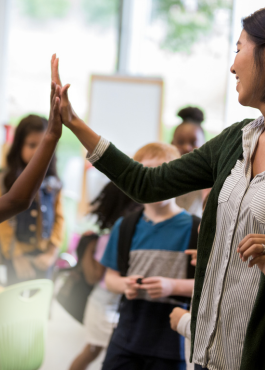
(193, 171)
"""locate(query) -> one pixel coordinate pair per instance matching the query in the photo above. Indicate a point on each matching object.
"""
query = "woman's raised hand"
(67, 113)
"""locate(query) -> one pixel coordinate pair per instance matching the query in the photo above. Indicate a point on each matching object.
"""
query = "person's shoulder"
(238, 126)
(183, 215)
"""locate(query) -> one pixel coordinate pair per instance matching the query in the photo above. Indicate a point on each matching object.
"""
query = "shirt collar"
(251, 134)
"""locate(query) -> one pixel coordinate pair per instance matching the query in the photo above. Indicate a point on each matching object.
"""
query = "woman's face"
(188, 137)
(31, 143)
(245, 71)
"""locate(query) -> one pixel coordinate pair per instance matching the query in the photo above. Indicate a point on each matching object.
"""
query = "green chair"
(24, 311)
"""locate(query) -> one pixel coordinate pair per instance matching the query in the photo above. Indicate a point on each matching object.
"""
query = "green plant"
(184, 27)
(101, 12)
(44, 9)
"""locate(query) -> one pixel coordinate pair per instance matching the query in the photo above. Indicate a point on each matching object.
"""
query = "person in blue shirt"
(143, 338)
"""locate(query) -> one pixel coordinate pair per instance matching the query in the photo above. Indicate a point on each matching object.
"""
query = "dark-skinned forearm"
(23, 191)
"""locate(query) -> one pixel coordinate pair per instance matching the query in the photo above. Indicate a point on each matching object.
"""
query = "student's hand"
(67, 113)
(193, 254)
(251, 246)
(54, 129)
(158, 286)
(131, 286)
(175, 317)
(23, 268)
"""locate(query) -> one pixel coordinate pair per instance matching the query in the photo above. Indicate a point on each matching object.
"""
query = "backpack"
(75, 290)
(127, 230)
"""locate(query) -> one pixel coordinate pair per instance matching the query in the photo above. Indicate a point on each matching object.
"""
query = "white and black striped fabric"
(230, 286)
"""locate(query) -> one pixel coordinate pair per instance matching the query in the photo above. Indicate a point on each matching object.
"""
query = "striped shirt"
(230, 287)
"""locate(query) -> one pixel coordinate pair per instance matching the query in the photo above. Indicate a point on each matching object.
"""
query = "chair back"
(24, 311)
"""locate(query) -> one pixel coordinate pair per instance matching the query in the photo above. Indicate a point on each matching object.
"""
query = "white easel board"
(126, 110)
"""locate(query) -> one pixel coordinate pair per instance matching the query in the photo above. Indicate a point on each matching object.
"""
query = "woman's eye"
(237, 51)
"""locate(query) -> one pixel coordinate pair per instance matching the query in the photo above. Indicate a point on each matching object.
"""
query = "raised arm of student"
(23, 191)
(193, 171)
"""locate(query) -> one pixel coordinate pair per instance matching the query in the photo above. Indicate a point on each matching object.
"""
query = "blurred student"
(23, 191)
(188, 136)
(30, 241)
(157, 270)
(102, 307)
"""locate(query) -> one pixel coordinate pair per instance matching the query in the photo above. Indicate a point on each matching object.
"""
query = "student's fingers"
(151, 280)
(55, 70)
(53, 87)
(191, 251)
(150, 286)
(56, 108)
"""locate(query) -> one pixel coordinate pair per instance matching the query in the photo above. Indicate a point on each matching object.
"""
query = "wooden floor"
(66, 338)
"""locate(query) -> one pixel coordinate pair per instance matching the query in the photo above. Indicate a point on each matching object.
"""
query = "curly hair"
(191, 114)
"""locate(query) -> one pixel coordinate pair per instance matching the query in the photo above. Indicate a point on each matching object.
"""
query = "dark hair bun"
(192, 114)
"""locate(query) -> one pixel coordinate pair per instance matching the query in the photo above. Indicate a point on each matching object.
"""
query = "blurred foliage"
(44, 9)
(101, 12)
(183, 27)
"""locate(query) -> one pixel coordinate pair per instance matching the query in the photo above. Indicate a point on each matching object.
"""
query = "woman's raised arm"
(23, 191)
(145, 185)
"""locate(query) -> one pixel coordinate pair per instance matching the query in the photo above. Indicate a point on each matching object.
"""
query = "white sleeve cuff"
(99, 150)
(183, 327)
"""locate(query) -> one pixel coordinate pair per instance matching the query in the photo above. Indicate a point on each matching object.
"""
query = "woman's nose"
(232, 70)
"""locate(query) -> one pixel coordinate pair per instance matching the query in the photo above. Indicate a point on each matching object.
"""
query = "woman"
(228, 321)
(30, 241)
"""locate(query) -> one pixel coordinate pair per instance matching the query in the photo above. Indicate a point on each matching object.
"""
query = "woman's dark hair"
(191, 114)
(15, 164)
(254, 25)
(112, 204)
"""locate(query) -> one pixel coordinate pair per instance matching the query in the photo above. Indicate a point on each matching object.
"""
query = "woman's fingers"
(64, 92)
(255, 249)
(251, 244)
(257, 260)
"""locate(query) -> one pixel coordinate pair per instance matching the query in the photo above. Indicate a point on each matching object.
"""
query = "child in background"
(30, 241)
(188, 136)
(23, 191)
(143, 338)
(179, 318)
(102, 305)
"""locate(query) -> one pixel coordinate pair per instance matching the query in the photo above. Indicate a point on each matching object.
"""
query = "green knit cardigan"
(207, 167)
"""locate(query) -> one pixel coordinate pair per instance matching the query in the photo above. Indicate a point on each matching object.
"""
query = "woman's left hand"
(252, 246)
(175, 317)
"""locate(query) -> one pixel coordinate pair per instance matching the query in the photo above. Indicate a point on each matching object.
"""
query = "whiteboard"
(126, 110)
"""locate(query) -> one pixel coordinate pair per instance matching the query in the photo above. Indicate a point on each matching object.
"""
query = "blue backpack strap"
(127, 230)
